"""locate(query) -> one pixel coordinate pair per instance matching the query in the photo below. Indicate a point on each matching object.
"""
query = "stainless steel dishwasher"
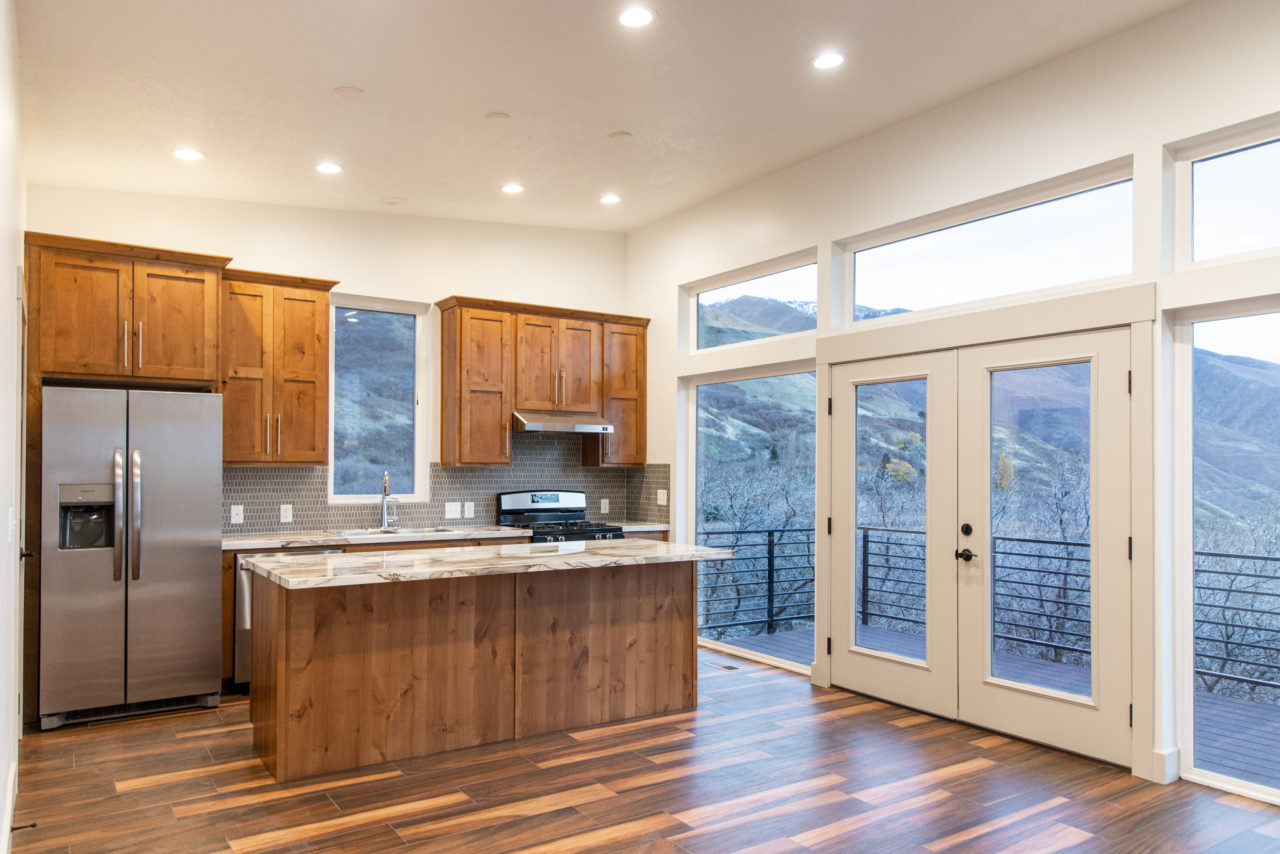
(244, 604)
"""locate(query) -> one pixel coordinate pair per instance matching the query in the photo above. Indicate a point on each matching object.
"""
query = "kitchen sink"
(369, 532)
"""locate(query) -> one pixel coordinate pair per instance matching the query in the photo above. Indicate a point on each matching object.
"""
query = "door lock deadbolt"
(966, 529)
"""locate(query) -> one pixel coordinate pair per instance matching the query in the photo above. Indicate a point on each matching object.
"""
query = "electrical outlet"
(469, 510)
(662, 498)
(237, 514)
(286, 514)
(453, 510)
(604, 506)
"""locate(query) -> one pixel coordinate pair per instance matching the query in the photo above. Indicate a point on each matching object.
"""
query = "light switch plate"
(604, 506)
(662, 498)
(286, 514)
(453, 510)
(469, 509)
(237, 514)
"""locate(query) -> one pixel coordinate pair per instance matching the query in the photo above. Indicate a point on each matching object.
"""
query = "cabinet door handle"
(506, 436)
(124, 342)
(278, 432)
(266, 448)
(139, 343)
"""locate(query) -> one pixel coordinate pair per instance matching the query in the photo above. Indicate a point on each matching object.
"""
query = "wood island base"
(360, 674)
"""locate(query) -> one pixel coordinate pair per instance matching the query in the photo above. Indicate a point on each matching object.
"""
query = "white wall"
(1204, 66)
(383, 255)
(10, 433)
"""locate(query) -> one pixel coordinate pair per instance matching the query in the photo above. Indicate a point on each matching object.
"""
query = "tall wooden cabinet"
(500, 356)
(115, 311)
(275, 368)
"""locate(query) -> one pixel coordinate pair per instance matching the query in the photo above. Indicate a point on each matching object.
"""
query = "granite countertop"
(319, 539)
(295, 572)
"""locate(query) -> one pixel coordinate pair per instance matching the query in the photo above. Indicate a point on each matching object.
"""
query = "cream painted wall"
(10, 432)
(1201, 67)
(381, 255)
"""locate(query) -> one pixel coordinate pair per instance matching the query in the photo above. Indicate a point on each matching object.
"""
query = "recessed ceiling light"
(348, 313)
(328, 168)
(348, 92)
(498, 116)
(636, 16)
(620, 134)
(394, 201)
(610, 198)
(828, 59)
(512, 189)
(353, 320)
(188, 154)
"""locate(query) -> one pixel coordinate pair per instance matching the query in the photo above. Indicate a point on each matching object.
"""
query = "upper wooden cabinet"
(499, 356)
(113, 310)
(557, 363)
(275, 368)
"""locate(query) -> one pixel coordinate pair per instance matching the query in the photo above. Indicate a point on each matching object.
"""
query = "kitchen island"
(365, 658)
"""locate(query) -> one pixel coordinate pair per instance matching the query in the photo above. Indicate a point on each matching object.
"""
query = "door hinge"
(828, 406)
(1131, 716)
(1131, 382)
(1131, 548)
(828, 646)
(828, 525)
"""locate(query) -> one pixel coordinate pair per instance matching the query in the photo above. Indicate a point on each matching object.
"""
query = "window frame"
(689, 293)
(421, 454)
(1072, 183)
(1181, 156)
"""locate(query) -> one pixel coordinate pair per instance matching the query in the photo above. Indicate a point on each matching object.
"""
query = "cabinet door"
(85, 312)
(536, 362)
(175, 321)
(578, 345)
(247, 357)
(300, 399)
(485, 387)
(624, 394)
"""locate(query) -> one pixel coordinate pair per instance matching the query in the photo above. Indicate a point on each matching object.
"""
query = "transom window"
(1235, 202)
(777, 304)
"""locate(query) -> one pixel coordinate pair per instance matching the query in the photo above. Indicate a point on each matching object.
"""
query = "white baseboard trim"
(1161, 766)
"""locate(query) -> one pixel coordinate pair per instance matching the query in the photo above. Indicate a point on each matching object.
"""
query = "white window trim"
(422, 377)
(1202, 147)
(1072, 183)
(1182, 540)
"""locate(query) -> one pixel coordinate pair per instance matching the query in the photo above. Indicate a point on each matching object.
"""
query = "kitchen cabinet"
(623, 400)
(498, 356)
(116, 311)
(275, 368)
(557, 363)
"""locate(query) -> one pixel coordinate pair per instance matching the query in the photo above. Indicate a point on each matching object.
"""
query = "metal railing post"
(771, 625)
(865, 597)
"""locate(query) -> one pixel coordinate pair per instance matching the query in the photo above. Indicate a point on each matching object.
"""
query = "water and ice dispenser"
(86, 516)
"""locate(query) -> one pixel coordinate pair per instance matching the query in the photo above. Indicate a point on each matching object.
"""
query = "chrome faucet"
(385, 523)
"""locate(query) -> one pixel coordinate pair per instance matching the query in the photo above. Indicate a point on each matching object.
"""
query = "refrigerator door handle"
(135, 546)
(117, 548)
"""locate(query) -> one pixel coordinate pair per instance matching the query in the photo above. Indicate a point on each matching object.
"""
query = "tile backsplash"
(541, 461)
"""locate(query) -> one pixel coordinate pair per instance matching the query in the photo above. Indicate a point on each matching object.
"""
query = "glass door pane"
(1236, 541)
(889, 604)
(1041, 597)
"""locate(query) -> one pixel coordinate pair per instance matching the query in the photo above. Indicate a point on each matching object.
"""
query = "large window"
(1235, 202)
(376, 423)
(776, 304)
(1080, 237)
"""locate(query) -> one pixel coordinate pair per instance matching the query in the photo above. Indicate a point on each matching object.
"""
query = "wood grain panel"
(622, 399)
(300, 395)
(456, 302)
(85, 312)
(537, 362)
(175, 321)
(247, 364)
(268, 709)
(578, 346)
(486, 373)
(596, 645)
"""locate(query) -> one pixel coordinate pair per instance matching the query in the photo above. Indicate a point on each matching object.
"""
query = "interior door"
(1044, 483)
(894, 509)
(980, 538)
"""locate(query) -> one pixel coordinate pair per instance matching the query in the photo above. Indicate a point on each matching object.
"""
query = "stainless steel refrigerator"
(130, 552)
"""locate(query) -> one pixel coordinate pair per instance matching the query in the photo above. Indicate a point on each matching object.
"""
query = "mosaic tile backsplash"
(541, 461)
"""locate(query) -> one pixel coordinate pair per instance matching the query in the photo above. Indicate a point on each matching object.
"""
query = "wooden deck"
(768, 763)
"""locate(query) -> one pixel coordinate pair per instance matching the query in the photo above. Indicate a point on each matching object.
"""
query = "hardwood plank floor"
(767, 764)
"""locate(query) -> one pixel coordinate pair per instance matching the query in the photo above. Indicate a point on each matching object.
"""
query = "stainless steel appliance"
(244, 607)
(130, 552)
(553, 516)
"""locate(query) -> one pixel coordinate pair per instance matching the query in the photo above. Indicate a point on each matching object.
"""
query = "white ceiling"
(715, 93)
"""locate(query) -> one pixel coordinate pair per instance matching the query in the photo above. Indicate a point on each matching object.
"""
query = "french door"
(980, 537)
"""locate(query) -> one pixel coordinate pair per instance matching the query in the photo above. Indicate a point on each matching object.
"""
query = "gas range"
(553, 516)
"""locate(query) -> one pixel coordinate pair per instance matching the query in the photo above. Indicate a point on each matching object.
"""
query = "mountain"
(747, 318)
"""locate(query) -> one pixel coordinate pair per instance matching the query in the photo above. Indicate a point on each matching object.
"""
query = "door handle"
(124, 342)
(278, 432)
(965, 555)
(139, 343)
(564, 388)
(135, 547)
(117, 549)
(266, 449)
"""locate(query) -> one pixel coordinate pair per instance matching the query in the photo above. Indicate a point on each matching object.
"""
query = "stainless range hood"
(559, 422)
